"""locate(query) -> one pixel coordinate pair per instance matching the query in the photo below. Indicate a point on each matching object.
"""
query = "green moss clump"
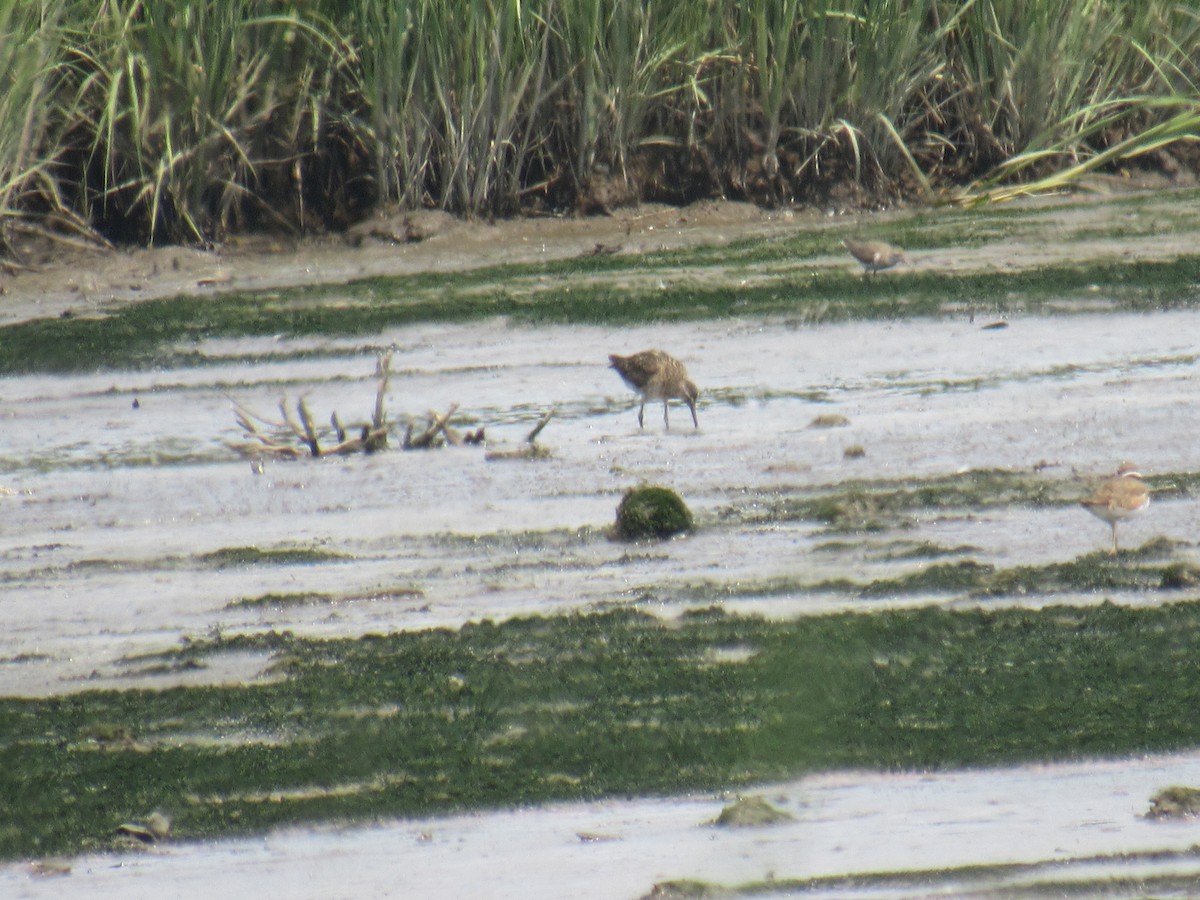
(751, 812)
(829, 420)
(652, 512)
(1179, 576)
(280, 600)
(285, 556)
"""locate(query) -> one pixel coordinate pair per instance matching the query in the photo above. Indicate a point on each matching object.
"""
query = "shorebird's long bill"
(692, 406)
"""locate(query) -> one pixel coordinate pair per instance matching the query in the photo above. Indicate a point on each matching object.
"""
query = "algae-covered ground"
(889, 569)
(961, 260)
(585, 706)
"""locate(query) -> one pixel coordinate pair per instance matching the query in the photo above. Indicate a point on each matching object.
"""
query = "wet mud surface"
(118, 516)
(125, 509)
(1033, 831)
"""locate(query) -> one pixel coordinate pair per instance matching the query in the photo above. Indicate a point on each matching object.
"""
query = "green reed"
(187, 112)
(184, 120)
(1074, 86)
(29, 44)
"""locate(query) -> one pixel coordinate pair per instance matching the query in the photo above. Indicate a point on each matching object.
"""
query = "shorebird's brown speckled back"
(657, 375)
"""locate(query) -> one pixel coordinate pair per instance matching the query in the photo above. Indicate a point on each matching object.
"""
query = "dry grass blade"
(1183, 126)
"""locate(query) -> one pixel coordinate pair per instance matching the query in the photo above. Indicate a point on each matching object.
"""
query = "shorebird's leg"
(641, 412)
(666, 421)
(1114, 528)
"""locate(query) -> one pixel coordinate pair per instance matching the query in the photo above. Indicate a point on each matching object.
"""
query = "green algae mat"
(582, 706)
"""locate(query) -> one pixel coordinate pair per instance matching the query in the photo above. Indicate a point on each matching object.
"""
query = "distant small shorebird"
(657, 376)
(874, 255)
(1119, 498)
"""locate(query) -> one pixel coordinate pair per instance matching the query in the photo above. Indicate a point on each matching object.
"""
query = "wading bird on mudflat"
(1120, 497)
(656, 375)
(874, 256)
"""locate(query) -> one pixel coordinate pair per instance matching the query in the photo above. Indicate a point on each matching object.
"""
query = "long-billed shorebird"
(657, 376)
(874, 255)
(1118, 498)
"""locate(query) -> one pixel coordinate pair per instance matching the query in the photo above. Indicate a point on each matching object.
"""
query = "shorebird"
(874, 255)
(657, 376)
(1118, 498)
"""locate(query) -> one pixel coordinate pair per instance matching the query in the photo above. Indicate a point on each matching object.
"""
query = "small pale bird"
(1118, 498)
(874, 255)
(657, 376)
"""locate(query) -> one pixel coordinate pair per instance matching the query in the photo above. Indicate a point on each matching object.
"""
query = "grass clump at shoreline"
(584, 706)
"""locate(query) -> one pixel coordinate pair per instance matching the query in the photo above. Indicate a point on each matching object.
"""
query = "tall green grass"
(1072, 86)
(190, 118)
(29, 45)
(186, 119)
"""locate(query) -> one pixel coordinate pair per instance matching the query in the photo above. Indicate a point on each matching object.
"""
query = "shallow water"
(109, 511)
(112, 508)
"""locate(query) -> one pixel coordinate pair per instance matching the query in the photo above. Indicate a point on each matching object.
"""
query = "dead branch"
(545, 420)
(310, 431)
(383, 368)
(531, 449)
(428, 438)
(296, 434)
(292, 425)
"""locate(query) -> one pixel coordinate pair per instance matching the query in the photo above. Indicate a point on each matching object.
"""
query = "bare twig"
(531, 449)
(291, 423)
(383, 368)
(310, 431)
(545, 420)
(437, 424)
(296, 432)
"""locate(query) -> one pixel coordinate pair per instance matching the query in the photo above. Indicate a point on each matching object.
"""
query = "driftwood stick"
(423, 440)
(245, 417)
(374, 439)
(367, 442)
(265, 446)
(442, 423)
(310, 431)
(272, 444)
(530, 450)
(383, 368)
(244, 421)
(437, 424)
(292, 424)
(545, 420)
(296, 431)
